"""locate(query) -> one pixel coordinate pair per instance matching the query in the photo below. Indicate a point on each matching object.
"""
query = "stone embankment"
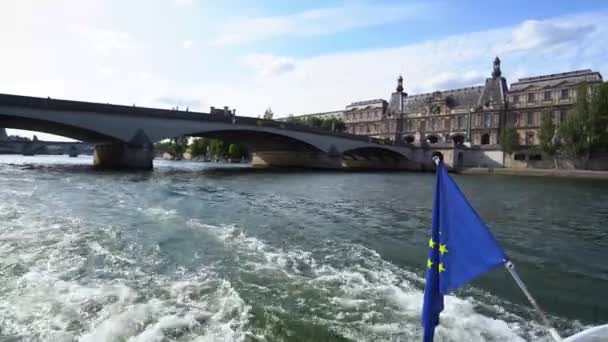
(570, 173)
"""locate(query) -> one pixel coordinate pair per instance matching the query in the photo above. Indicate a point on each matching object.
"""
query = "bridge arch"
(56, 128)
(257, 140)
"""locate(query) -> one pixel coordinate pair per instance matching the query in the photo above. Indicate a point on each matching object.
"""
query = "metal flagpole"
(511, 268)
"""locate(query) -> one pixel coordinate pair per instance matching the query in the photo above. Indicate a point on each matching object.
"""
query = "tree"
(217, 148)
(199, 147)
(548, 137)
(599, 106)
(179, 145)
(509, 140)
(268, 114)
(236, 151)
(340, 126)
(574, 136)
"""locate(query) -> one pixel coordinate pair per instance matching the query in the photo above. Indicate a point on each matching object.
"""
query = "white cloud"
(186, 44)
(268, 65)
(534, 34)
(332, 81)
(144, 71)
(315, 22)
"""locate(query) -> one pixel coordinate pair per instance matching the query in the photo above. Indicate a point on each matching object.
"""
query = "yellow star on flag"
(431, 243)
(443, 249)
(441, 269)
(429, 263)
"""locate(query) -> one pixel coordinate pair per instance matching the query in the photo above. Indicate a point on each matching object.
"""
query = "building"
(367, 118)
(337, 114)
(443, 116)
(474, 114)
(554, 94)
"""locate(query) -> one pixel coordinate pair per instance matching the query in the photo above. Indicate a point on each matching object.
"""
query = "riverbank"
(537, 172)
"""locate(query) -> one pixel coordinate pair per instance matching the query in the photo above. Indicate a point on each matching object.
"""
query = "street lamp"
(467, 140)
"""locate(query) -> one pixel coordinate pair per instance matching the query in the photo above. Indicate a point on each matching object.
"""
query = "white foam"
(382, 295)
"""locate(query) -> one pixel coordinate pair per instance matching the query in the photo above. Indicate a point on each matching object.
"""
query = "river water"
(202, 252)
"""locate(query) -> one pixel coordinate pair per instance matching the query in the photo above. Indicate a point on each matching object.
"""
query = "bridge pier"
(121, 156)
(318, 160)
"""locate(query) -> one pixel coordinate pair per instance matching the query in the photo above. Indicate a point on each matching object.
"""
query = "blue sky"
(295, 56)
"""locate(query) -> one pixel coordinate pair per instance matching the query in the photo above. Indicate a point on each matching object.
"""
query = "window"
(530, 97)
(434, 124)
(563, 115)
(535, 157)
(547, 96)
(565, 94)
(485, 139)
(487, 120)
(515, 98)
(422, 125)
(530, 119)
(520, 156)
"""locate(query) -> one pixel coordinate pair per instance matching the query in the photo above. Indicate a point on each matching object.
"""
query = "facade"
(555, 94)
(338, 114)
(366, 117)
(443, 116)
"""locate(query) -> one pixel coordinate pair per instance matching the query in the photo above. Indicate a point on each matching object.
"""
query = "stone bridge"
(124, 135)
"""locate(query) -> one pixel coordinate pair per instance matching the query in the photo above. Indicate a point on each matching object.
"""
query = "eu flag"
(460, 249)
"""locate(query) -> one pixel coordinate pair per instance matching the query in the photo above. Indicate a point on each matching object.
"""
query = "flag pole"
(511, 268)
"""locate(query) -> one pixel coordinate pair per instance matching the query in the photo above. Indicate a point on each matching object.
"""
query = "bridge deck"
(112, 109)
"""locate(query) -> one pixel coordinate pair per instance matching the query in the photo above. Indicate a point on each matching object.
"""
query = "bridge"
(124, 135)
(35, 147)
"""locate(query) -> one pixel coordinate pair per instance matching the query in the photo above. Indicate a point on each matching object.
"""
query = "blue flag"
(460, 249)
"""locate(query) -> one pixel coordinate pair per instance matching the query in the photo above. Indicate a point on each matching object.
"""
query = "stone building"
(440, 116)
(555, 94)
(443, 116)
(366, 118)
(337, 114)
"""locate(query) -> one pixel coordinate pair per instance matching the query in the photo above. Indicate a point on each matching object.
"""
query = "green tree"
(236, 151)
(599, 106)
(574, 136)
(340, 126)
(178, 146)
(547, 136)
(268, 114)
(199, 147)
(217, 148)
(509, 140)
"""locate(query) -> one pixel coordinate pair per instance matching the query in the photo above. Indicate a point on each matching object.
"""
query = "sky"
(293, 56)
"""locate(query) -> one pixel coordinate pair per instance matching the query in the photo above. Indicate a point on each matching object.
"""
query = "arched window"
(485, 139)
(433, 139)
(458, 139)
(409, 139)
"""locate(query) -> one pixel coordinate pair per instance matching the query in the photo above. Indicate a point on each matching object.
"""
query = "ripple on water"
(350, 291)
